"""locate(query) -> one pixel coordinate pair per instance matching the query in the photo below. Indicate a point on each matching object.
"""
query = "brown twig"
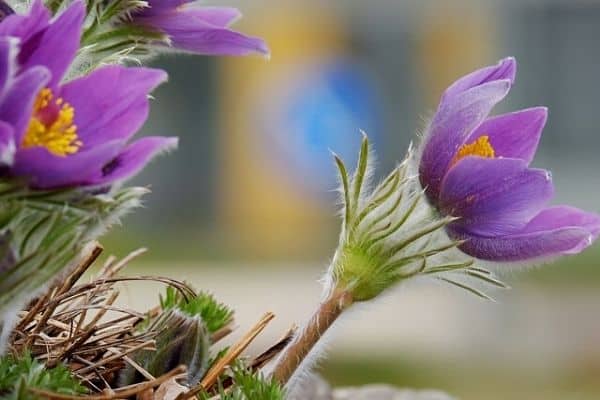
(80, 269)
(261, 360)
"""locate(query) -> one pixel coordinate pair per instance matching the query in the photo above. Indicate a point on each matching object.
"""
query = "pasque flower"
(198, 29)
(61, 134)
(476, 168)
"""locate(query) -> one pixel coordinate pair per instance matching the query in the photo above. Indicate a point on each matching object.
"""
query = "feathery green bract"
(106, 40)
(43, 234)
(390, 233)
(248, 385)
(181, 339)
(215, 315)
(183, 336)
(18, 375)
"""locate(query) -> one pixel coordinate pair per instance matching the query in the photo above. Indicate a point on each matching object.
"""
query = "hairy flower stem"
(323, 318)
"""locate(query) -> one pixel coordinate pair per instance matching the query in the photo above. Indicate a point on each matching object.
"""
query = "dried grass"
(78, 324)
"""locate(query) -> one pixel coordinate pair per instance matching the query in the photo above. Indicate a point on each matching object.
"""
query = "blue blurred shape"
(323, 110)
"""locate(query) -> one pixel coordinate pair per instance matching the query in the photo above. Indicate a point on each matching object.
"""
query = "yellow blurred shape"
(452, 40)
(262, 210)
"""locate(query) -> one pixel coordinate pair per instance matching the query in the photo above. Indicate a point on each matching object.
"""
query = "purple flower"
(197, 29)
(476, 167)
(75, 133)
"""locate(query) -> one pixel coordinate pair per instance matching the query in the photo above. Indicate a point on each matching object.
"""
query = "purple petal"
(111, 102)
(17, 102)
(57, 45)
(494, 196)
(46, 170)
(554, 231)
(26, 26)
(133, 159)
(505, 69)
(161, 6)
(217, 42)
(7, 145)
(451, 125)
(524, 246)
(216, 16)
(8, 53)
(514, 135)
(565, 216)
(190, 32)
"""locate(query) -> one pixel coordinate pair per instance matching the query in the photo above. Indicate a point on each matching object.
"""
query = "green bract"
(44, 233)
(20, 374)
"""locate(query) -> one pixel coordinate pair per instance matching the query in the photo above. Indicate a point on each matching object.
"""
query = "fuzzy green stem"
(323, 318)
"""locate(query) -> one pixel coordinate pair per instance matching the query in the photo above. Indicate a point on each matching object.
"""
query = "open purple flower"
(476, 168)
(198, 29)
(75, 133)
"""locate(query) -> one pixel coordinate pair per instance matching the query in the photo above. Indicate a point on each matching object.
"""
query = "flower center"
(51, 126)
(480, 147)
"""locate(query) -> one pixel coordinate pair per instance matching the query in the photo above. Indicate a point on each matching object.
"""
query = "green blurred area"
(467, 381)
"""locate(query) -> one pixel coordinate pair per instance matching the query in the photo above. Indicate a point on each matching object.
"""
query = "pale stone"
(315, 388)
(385, 392)
(311, 388)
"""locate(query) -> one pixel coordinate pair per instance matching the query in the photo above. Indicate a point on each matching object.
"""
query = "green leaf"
(345, 188)
(214, 314)
(361, 171)
(18, 375)
(468, 288)
(248, 385)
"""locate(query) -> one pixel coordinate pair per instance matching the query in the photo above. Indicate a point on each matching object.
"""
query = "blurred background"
(246, 208)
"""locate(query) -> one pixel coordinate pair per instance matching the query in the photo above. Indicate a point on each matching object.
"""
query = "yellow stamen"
(59, 135)
(480, 147)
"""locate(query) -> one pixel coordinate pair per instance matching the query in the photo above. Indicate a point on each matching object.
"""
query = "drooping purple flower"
(198, 29)
(476, 167)
(75, 133)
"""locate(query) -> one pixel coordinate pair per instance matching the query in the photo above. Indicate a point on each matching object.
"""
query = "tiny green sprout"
(184, 330)
(20, 374)
(248, 385)
(214, 314)
(181, 340)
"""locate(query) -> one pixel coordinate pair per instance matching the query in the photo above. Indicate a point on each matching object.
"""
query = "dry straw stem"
(274, 350)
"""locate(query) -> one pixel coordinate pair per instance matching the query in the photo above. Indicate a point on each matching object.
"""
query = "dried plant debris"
(74, 342)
